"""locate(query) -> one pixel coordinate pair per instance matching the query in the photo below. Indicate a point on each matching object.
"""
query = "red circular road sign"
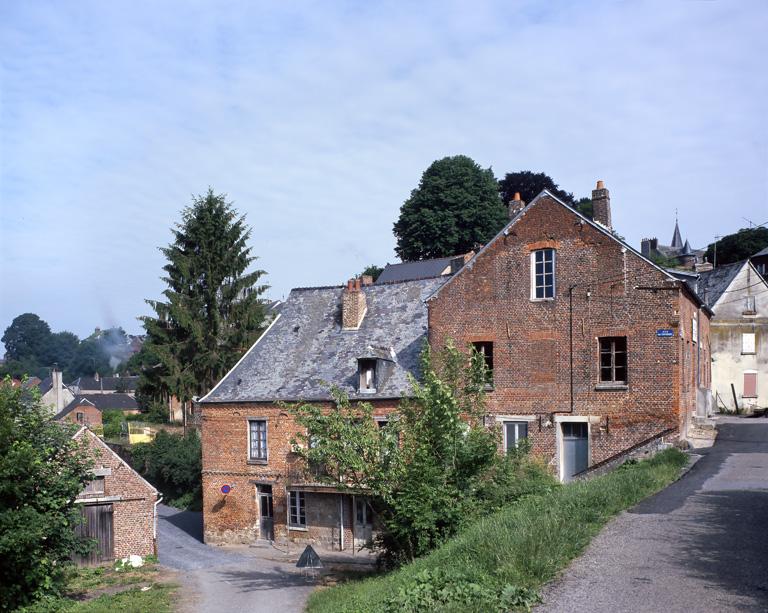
(225, 489)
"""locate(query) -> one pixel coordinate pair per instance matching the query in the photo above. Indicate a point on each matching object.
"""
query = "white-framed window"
(367, 373)
(297, 510)
(695, 328)
(257, 439)
(748, 342)
(514, 432)
(543, 274)
(749, 304)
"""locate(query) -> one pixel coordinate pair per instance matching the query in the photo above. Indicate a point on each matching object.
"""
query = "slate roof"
(107, 384)
(420, 269)
(103, 402)
(713, 283)
(761, 253)
(305, 350)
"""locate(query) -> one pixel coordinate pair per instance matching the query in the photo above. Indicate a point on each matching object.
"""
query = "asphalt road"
(699, 545)
(215, 579)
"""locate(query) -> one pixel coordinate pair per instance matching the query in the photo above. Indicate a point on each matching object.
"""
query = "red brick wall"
(234, 517)
(613, 295)
(91, 415)
(133, 513)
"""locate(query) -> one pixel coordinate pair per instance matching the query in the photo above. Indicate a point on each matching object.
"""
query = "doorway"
(266, 516)
(97, 524)
(363, 522)
(575, 448)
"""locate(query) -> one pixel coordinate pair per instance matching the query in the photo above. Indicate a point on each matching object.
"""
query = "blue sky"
(318, 118)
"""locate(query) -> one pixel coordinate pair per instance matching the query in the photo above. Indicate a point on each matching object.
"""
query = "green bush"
(42, 470)
(502, 559)
(173, 464)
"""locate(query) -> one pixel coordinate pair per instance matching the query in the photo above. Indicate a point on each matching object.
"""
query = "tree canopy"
(455, 207)
(738, 246)
(42, 470)
(212, 309)
(529, 185)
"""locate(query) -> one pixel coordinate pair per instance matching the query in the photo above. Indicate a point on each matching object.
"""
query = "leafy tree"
(664, 261)
(432, 468)
(584, 206)
(738, 246)
(212, 310)
(455, 207)
(90, 358)
(173, 464)
(42, 470)
(372, 270)
(27, 339)
(529, 185)
(62, 349)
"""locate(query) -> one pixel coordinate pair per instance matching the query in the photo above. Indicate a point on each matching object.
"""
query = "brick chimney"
(515, 205)
(601, 205)
(353, 305)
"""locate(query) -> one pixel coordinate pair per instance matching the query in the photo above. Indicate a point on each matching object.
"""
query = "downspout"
(341, 522)
(154, 522)
(570, 332)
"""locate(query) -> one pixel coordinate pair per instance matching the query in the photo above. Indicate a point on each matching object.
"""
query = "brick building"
(593, 348)
(594, 351)
(365, 339)
(87, 409)
(119, 506)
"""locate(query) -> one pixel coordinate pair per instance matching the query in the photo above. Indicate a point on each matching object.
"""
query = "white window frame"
(750, 304)
(695, 328)
(534, 287)
(517, 423)
(300, 497)
(251, 458)
(590, 420)
(367, 376)
(748, 343)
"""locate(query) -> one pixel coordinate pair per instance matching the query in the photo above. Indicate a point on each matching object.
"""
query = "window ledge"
(257, 462)
(612, 387)
(543, 299)
(298, 528)
(488, 387)
(749, 353)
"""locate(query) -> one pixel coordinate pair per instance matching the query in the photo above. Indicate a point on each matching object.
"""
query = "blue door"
(575, 448)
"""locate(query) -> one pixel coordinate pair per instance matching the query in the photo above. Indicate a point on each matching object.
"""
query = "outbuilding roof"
(103, 402)
(419, 269)
(305, 351)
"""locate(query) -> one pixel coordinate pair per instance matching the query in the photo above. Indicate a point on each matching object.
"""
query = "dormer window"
(367, 374)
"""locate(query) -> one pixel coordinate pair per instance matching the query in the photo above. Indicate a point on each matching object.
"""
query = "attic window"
(367, 374)
(749, 305)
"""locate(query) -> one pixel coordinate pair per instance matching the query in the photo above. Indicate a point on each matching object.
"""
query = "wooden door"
(266, 518)
(97, 524)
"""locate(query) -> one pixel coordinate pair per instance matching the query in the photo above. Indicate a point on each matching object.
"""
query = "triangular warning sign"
(309, 559)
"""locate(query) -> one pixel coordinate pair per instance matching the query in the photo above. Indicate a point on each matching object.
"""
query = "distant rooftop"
(422, 269)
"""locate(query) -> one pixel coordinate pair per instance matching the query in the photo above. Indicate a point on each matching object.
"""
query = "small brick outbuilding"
(119, 506)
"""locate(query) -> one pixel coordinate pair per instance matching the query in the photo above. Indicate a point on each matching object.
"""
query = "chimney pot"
(516, 197)
(600, 185)
(350, 284)
(357, 284)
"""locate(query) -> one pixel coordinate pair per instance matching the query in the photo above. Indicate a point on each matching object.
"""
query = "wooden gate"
(97, 524)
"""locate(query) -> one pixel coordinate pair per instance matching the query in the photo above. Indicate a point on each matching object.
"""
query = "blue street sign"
(665, 332)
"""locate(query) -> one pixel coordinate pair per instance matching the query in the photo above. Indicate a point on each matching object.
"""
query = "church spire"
(677, 240)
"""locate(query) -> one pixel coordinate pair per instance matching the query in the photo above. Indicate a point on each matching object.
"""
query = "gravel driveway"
(699, 545)
(215, 579)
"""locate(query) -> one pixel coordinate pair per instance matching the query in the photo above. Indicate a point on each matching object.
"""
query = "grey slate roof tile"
(408, 271)
(305, 351)
(713, 283)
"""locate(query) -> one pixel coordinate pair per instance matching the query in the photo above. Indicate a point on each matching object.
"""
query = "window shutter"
(748, 342)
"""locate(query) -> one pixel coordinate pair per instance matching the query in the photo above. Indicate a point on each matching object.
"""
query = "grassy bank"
(500, 562)
(105, 589)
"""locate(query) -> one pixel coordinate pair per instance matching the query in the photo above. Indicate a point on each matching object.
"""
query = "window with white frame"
(748, 342)
(695, 328)
(749, 304)
(297, 511)
(367, 373)
(257, 439)
(514, 432)
(543, 274)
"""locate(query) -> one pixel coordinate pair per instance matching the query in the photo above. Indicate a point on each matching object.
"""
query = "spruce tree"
(455, 207)
(212, 311)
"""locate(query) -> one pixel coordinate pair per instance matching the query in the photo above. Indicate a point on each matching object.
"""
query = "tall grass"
(500, 561)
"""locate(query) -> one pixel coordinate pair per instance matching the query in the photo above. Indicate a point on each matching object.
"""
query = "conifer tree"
(212, 309)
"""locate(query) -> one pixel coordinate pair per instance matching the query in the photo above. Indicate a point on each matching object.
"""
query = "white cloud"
(318, 121)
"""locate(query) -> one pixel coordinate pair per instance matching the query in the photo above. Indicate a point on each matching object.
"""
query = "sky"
(317, 120)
